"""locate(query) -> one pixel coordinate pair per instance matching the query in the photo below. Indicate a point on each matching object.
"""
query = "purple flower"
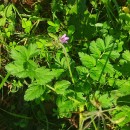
(64, 39)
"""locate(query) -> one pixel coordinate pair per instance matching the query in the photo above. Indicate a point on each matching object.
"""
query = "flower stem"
(66, 56)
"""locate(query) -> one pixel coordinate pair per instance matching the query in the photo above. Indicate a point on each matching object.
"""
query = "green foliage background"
(83, 84)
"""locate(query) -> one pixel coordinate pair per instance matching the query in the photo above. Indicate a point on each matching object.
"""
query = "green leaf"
(57, 72)
(8, 10)
(94, 49)
(114, 55)
(2, 21)
(100, 44)
(87, 60)
(95, 73)
(22, 70)
(34, 91)
(121, 116)
(108, 67)
(108, 41)
(51, 23)
(51, 29)
(71, 30)
(82, 70)
(27, 25)
(16, 70)
(124, 86)
(32, 50)
(43, 75)
(73, 9)
(61, 86)
(65, 107)
(126, 55)
(106, 100)
(19, 53)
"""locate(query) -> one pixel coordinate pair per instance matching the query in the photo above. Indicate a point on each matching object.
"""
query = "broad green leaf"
(100, 44)
(61, 86)
(22, 70)
(16, 70)
(108, 41)
(87, 60)
(19, 53)
(44, 75)
(126, 55)
(32, 50)
(34, 91)
(94, 49)
(57, 72)
(23, 54)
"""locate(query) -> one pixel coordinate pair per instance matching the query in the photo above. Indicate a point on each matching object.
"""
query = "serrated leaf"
(65, 106)
(81, 70)
(108, 68)
(16, 70)
(114, 55)
(19, 53)
(94, 49)
(44, 75)
(57, 72)
(108, 41)
(34, 91)
(124, 86)
(100, 44)
(95, 73)
(61, 86)
(32, 50)
(106, 100)
(87, 60)
(22, 70)
(126, 55)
